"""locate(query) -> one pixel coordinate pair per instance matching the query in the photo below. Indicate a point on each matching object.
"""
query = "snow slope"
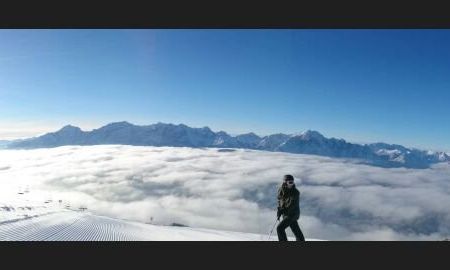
(69, 225)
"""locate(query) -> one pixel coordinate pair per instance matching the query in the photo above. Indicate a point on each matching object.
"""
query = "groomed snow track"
(65, 226)
(83, 226)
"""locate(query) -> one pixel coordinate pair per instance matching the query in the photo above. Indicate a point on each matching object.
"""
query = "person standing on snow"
(289, 207)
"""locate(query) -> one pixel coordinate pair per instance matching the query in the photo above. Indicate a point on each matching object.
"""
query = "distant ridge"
(163, 134)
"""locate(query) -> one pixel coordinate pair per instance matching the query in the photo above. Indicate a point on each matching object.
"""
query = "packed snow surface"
(82, 226)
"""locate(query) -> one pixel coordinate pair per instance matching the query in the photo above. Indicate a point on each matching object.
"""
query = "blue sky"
(360, 85)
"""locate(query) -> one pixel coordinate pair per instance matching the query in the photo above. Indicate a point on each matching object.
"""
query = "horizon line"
(231, 134)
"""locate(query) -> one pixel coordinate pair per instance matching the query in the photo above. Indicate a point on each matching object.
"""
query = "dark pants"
(289, 222)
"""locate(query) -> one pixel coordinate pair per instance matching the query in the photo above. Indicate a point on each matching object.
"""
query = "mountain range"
(162, 134)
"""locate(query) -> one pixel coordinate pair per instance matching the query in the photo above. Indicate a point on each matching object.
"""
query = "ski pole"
(270, 234)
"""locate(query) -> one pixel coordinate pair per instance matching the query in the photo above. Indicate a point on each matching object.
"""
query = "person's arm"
(280, 210)
(296, 200)
(278, 204)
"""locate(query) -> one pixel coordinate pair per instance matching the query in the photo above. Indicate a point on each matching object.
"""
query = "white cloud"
(236, 190)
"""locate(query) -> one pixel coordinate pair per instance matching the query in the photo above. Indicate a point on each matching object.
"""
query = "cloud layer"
(235, 190)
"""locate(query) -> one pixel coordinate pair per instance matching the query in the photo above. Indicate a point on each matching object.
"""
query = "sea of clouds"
(234, 189)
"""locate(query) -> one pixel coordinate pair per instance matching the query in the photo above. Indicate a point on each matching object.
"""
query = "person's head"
(288, 180)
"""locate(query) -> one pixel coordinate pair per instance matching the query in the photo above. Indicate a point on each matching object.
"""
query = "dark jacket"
(289, 201)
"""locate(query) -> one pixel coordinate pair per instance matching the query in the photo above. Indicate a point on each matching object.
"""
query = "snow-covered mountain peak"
(119, 124)
(443, 157)
(311, 134)
(69, 128)
(206, 129)
(249, 135)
